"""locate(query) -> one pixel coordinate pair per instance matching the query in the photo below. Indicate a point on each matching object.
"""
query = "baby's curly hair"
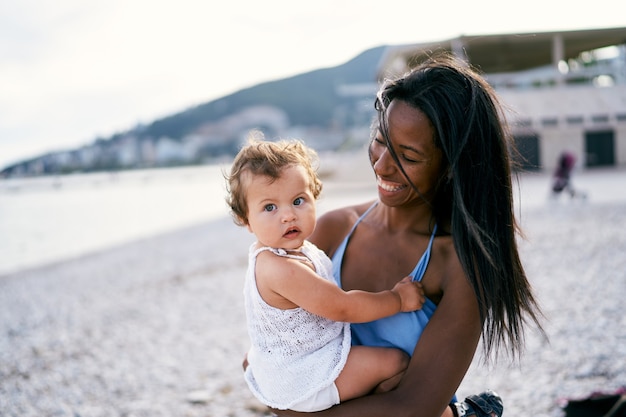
(260, 157)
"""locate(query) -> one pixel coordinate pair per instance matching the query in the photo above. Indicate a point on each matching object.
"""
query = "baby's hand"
(411, 294)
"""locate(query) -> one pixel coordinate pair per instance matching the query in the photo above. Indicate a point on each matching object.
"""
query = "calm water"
(49, 219)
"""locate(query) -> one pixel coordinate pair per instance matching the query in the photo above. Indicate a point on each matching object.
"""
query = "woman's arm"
(439, 362)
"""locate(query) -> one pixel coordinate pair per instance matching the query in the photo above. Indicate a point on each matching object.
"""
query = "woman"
(440, 155)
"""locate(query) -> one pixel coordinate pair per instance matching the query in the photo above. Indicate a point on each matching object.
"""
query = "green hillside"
(308, 99)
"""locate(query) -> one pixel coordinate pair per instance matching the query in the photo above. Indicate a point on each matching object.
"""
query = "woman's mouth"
(389, 186)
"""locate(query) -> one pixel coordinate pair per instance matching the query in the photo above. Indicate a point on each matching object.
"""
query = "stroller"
(562, 180)
(563, 172)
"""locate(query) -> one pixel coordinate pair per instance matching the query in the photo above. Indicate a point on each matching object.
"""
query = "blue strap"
(420, 268)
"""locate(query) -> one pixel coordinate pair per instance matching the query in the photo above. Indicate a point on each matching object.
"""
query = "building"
(563, 90)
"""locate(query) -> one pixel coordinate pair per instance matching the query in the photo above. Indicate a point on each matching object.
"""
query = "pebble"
(157, 327)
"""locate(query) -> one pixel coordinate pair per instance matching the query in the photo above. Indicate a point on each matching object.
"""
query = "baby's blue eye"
(270, 207)
(298, 201)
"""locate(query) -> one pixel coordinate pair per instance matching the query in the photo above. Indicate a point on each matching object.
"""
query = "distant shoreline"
(348, 179)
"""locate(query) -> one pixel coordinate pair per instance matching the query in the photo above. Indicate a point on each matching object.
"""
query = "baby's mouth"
(291, 232)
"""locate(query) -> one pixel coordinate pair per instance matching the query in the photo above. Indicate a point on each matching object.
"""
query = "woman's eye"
(298, 201)
(406, 158)
(270, 207)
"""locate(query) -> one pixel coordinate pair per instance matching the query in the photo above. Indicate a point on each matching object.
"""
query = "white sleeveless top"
(294, 353)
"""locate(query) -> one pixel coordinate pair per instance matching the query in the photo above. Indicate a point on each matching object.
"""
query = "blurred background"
(94, 90)
(99, 97)
(119, 268)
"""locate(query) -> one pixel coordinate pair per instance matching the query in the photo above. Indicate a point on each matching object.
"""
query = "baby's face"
(282, 213)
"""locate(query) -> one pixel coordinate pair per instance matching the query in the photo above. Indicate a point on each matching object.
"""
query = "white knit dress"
(294, 353)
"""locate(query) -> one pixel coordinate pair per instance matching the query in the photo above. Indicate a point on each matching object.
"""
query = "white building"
(563, 94)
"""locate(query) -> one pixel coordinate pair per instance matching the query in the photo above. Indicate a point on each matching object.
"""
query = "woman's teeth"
(388, 186)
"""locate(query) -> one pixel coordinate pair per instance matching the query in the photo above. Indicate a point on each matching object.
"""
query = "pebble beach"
(156, 327)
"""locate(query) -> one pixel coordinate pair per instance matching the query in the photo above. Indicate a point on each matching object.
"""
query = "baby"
(301, 357)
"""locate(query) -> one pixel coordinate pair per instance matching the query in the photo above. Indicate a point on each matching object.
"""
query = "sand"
(157, 328)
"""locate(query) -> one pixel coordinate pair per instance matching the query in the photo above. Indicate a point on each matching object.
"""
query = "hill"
(317, 101)
(308, 99)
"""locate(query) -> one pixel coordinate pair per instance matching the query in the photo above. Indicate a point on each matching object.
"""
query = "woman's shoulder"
(445, 260)
(345, 215)
(335, 224)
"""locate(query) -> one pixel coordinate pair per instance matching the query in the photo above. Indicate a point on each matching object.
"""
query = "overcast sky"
(72, 70)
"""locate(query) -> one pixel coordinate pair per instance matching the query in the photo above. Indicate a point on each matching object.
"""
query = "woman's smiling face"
(412, 137)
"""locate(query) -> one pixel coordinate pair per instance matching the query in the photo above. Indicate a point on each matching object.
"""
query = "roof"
(505, 52)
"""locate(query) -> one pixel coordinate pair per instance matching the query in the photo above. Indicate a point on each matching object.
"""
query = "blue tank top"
(402, 330)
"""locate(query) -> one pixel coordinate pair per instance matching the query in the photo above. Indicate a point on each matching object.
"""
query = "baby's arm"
(406, 290)
(286, 283)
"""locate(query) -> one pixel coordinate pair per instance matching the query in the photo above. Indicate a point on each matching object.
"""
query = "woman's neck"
(416, 219)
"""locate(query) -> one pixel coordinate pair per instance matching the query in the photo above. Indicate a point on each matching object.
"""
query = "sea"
(55, 218)
(50, 219)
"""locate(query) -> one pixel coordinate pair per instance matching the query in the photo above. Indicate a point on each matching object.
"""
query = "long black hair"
(475, 192)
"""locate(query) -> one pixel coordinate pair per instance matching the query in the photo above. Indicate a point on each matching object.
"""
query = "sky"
(75, 70)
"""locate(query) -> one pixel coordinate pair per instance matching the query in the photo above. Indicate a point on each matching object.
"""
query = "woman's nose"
(382, 161)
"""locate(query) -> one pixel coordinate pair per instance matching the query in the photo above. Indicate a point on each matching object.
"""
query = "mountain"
(328, 101)
(309, 99)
